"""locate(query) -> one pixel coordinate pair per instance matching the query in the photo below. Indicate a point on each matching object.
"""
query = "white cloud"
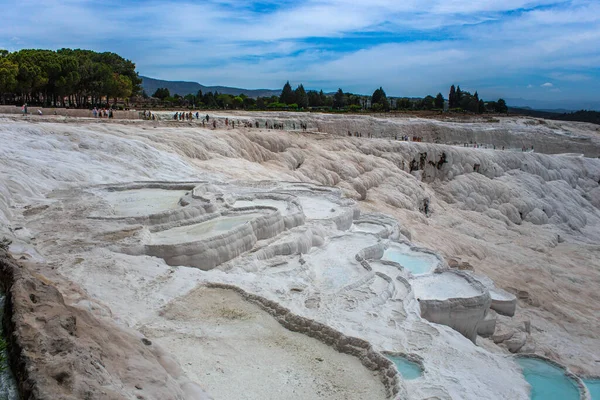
(529, 86)
(435, 42)
(546, 85)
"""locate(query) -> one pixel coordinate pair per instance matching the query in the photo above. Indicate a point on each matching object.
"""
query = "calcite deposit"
(127, 224)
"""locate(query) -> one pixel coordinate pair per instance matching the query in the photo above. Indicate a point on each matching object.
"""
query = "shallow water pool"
(213, 227)
(146, 201)
(417, 263)
(593, 386)
(548, 382)
(408, 369)
(367, 227)
(281, 205)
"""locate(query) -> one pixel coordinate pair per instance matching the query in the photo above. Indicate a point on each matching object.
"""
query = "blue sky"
(503, 48)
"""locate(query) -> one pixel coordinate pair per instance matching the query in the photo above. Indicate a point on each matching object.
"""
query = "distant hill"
(553, 106)
(580, 116)
(182, 88)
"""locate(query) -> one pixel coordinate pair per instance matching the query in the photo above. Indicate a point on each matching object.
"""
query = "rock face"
(463, 313)
(487, 326)
(207, 253)
(63, 352)
(503, 302)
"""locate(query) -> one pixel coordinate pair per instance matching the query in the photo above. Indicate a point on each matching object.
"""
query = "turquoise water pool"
(593, 386)
(415, 263)
(548, 382)
(408, 369)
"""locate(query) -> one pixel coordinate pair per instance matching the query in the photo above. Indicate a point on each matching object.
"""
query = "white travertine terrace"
(306, 252)
(454, 299)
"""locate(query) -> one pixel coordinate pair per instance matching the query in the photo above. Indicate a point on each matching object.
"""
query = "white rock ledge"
(209, 252)
(464, 312)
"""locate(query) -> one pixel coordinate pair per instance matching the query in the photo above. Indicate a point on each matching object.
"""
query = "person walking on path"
(24, 109)
(95, 112)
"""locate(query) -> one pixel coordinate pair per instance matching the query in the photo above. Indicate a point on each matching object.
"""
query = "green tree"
(73, 76)
(354, 100)
(481, 107)
(339, 99)
(161, 93)
(8, 76)
(403, 104)
(428, 103)
(209, 100)
(459, 96)
(249, 102)
(314, 100)
(301, 97)
(237, 102)
(287, 95)
(439, 101)
(379, 97)
(464, 102)
(224, 101)
(123, 87)
(501, 106)
(452, 103)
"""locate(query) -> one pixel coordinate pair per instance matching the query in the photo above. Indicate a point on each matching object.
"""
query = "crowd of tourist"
(103, 113)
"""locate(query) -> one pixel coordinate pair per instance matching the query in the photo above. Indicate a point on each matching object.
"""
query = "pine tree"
(439, 101)
(481, 107)
(452, 97)
(161, 93)
(301, 97)
(501, 106)
(459, 96)
(339, 99)
(379, 97)
(324, 100)
(287, 95)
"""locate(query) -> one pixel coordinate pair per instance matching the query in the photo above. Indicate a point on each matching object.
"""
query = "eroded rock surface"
(62, 351)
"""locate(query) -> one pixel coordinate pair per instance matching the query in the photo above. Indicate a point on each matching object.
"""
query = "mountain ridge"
(183, 88)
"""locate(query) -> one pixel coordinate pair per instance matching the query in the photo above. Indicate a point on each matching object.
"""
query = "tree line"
(85, 78)
(464, 101)
(66, 77)
(301, 99)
